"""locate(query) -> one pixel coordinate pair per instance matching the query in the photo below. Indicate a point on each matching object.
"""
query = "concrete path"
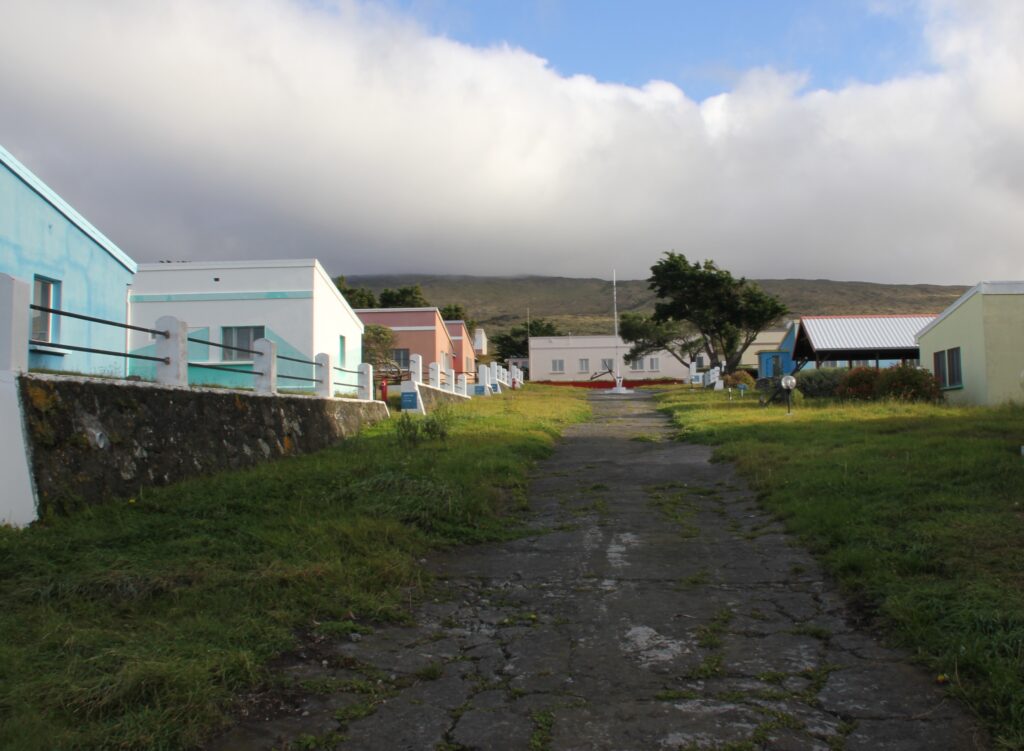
(659, 609)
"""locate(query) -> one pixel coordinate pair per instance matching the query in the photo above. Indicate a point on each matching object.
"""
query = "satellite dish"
(788, 382)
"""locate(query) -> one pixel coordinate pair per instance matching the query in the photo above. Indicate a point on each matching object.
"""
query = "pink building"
(465, 357)
(421, 331)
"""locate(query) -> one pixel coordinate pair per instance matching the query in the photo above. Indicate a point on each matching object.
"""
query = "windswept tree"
(726, 313)
(648, 336)
(403, 297)
(516, 342)
(378, 350)
(357, 297)
(457, 312)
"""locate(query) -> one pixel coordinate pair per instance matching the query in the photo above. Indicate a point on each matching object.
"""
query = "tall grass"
(918, 510)
(133, 624)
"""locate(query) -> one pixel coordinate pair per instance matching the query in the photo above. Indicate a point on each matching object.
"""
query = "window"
(637, 364)
(775, 369)
(242, 337)
(45, 292)
(607, 364)
(584, 365)
(401, 356)
(653, 364)
(702, 361)
(946, 364)
(558, 366)
(341, 352)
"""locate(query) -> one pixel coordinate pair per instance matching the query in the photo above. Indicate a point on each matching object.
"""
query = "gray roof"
(982, 288)
(864, 332)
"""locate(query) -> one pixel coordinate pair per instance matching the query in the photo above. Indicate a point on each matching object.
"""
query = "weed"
(430, 672)
(540, 740)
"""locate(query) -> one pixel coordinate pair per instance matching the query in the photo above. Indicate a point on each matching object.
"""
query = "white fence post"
(365, 382)
(483, 378)
(324, 372)
(462, 385)
(416, 368)
(265, 363)
(449, 379)
(173, 347)
(14, 301)
(435, 375)
(494, 373)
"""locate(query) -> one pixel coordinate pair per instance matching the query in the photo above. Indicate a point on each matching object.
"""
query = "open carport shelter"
(858, 340)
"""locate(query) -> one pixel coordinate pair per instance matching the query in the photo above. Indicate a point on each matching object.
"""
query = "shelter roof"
(859, 337)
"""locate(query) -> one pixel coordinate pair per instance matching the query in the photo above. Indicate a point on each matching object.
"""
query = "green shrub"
(822, 382)
(858, 384)
(908, 384)
(732, 380)
(438, 423)
(407, 430)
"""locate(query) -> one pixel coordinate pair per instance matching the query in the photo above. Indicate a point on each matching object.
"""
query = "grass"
(132, 625)
(918, 510)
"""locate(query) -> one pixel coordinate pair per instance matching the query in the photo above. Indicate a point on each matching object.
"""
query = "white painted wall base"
(18, 505)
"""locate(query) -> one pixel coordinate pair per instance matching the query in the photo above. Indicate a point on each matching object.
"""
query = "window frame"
(50, 320)
(557, 365)
(654, 364)
(230, 355)
(637, 365)
(607, 364)
(401, 360)
(583, 365)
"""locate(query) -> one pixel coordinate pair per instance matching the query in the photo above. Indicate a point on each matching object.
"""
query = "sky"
(872, 140)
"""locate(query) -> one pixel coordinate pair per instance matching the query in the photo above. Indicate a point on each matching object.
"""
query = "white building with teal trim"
(69, 265)
(293, 303)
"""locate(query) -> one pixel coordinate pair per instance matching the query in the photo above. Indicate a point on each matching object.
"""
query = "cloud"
(269, 128)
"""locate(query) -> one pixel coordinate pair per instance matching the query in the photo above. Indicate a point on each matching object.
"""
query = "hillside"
(584, 306)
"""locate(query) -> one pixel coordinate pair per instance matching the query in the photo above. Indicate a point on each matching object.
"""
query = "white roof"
(984, 288)
(864, 332)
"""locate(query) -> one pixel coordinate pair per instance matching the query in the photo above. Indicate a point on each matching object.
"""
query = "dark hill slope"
(584, 306)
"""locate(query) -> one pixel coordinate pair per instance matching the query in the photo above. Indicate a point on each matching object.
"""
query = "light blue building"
(773, 363)
(70, 265)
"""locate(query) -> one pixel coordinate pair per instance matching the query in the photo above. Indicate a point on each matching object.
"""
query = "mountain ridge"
(584, 305)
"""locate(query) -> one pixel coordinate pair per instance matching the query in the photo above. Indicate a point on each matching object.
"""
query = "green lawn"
(132, 625)
(918, 511)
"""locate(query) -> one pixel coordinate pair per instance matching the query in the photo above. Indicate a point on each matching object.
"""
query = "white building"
(579, 358)
(480, 341)
(293, 303)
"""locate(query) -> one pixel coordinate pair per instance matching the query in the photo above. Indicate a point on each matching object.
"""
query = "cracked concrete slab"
(655, 607)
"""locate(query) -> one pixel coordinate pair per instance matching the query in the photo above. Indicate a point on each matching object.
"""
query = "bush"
(732, 380)
(822, 382)
(859, 384)
(909, 384)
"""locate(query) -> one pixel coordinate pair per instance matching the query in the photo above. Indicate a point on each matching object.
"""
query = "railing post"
(462, 385)
(365, 382)
(265, 362)
(483, 378)
(324, 371)
(494, 373)
(174, 347)
(14, 302)
(416, 368)
(449, 380)
(435, 375)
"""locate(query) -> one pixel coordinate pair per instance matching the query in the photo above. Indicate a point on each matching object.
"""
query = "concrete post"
(462, 385)
(494, 373)
(174, 347)
(365, 382)
(324, 372)
(265, 362)
(14, 317)
(449, 380)
(435, 375)
(416, 368)
(483, 378)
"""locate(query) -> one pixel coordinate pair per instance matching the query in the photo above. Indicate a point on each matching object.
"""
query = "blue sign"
(742, 387)
(408, 400)
(480, 390)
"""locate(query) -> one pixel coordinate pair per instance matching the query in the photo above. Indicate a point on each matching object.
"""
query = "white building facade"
(582, 358)
(293, 303)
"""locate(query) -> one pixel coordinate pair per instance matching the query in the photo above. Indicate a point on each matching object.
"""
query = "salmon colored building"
(462, 339)
(422, 331)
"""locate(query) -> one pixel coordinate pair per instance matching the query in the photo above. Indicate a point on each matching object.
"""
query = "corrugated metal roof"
(864, 332)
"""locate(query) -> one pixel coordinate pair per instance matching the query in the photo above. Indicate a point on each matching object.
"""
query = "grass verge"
(132, 625)
(918, 510)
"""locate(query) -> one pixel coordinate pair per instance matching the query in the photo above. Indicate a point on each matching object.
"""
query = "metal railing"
(95, 350)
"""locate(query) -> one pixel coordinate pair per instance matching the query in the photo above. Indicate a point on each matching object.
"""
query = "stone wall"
(432, 398)
(92, 440)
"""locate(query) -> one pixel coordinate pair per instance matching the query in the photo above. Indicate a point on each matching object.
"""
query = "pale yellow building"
(976, 346)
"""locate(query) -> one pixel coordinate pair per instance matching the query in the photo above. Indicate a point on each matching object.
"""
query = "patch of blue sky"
(702, 46)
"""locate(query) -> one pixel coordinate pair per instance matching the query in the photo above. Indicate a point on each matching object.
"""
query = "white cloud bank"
(264, 128)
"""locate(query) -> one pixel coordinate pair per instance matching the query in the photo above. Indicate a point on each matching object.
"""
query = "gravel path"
(658, 609)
